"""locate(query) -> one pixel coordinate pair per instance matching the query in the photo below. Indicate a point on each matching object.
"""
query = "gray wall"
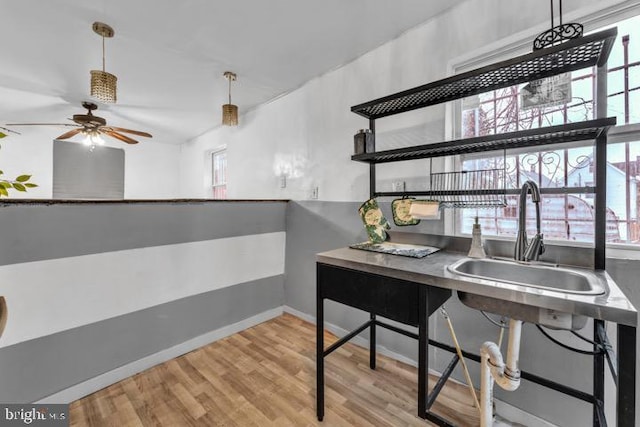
(48, 230)
(83, 173)
(31, 370)
(34, 369)
(314, 227)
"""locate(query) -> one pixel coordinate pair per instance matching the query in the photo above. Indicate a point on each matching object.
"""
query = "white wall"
(151, 167)
(309, 132)
(144, 277)
(30, 153)
(151, 170)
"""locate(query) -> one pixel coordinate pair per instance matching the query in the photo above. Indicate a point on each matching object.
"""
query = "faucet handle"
(535, 248)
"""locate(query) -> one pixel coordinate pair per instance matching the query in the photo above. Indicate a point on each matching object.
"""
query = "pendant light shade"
(103, 84)
(230, 111)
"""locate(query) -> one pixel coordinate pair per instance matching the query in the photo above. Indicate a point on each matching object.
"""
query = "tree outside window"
(566, 216)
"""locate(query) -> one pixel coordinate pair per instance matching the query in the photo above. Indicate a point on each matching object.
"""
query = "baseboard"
(85, 388)
(505, 410)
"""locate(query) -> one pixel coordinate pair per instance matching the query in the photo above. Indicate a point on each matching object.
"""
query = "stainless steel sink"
(535, 276)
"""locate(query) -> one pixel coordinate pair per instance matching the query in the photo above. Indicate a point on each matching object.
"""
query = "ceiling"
(170, 55)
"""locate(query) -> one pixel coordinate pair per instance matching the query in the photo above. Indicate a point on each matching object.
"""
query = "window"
(566, 216)
(219, 174)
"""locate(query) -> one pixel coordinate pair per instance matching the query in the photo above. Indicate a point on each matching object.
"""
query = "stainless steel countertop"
(612, 306)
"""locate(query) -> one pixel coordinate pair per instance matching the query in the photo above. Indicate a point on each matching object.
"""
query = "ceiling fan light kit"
(92, 138)
(230, 111)
(92, 127)
(103, 84)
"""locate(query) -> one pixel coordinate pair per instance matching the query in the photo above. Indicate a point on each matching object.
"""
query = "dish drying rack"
(482, 188)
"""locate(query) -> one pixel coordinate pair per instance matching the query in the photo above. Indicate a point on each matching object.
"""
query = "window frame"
(592, 18)
(212, 157)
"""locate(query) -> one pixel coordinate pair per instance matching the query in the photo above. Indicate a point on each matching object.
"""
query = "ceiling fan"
(91, 127)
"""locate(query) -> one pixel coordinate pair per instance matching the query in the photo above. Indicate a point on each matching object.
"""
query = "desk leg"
(423, 352)
(319, 351)
(626, 394)
(598, 373)
(372, 342)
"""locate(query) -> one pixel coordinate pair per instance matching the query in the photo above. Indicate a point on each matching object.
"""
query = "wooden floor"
(265, 376)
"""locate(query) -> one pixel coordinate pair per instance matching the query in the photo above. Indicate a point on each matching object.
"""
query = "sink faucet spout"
(525, 251)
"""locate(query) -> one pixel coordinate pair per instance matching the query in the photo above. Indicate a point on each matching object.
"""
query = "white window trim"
(603, 14)
(209, 168)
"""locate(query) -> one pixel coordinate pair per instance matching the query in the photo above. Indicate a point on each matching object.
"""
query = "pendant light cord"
(229, 78)
(103, 60)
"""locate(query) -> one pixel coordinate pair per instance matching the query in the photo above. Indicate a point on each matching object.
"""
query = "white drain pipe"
(493, 369)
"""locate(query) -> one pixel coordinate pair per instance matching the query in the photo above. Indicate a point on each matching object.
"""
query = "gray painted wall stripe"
(58, 231)
(317, 226)
(38, 368)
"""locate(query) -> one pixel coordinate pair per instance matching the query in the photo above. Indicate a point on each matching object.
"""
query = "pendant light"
(230, 111)
(103, 84)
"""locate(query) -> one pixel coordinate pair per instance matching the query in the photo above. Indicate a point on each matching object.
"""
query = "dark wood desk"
(406, 302)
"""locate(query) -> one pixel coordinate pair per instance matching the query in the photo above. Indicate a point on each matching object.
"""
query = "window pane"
(624, 73)
(571, 216)
(502, 110)
(219, 172)
(220, 192)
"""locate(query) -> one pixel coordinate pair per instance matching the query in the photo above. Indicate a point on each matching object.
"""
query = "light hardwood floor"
(265, 376)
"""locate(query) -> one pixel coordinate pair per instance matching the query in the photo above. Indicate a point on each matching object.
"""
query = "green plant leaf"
(30, 185)
(2, 135)
(1, 173)
(3, 191)
(19, 186)
(23, 178)
(5, 184)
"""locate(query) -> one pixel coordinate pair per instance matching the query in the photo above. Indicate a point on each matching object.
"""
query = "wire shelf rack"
(574, 54)
(483, 188)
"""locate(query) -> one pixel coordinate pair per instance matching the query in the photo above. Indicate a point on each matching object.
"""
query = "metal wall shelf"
(577, 53)
(508, 192)
(580, 131)
(572, 55)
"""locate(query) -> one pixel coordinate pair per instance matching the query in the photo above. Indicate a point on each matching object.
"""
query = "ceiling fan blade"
(134, 132)
(119, 136)
(41, 124)
(69, 134)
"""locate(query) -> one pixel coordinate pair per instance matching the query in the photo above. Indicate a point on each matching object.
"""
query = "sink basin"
(538, 277)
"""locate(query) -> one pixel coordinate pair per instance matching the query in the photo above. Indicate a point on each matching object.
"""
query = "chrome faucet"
(525, 251)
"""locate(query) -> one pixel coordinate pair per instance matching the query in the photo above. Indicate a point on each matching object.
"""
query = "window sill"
(614, 250)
